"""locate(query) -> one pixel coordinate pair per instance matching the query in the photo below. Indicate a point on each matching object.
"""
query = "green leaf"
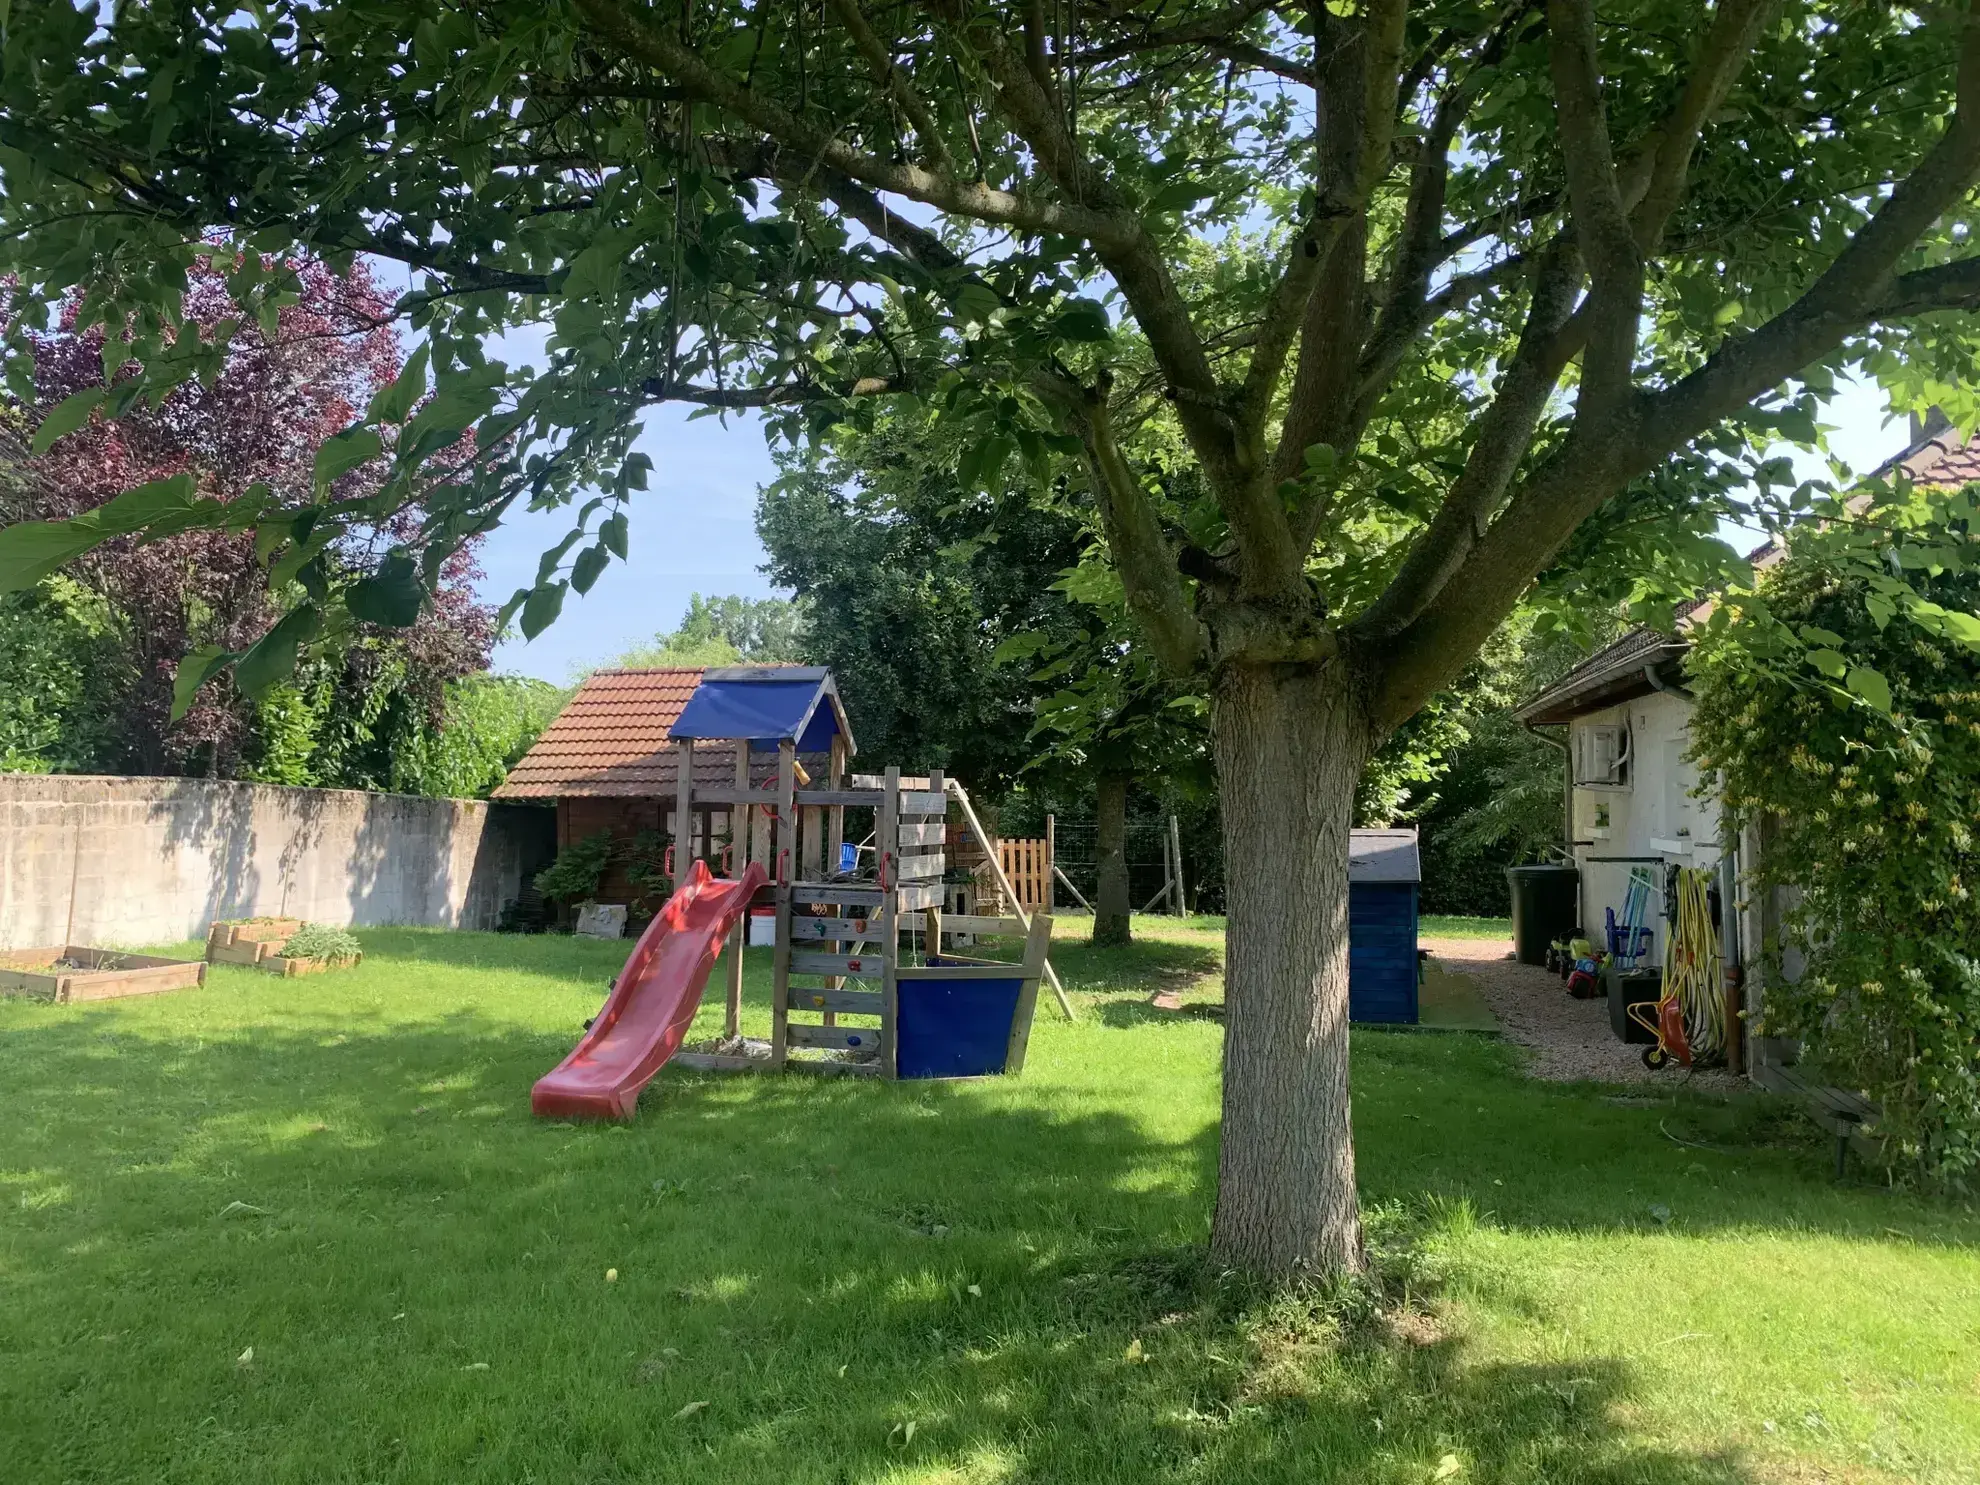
(1180, 196)
(590, 562)
(1871, 686)
(391, 596)
(613, 532)
(1828, 662)
(168, 500)
(271, 659)
(508, 611)
(394, 403)
(1020, 647)
(1084, 320)
(345, 452)
(31, 550)
(65, 417)
(540, 609)
(199, 667)
(552, 559)
(1881, 609)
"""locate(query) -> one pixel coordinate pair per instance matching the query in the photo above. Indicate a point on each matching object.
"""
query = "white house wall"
(1656, 820)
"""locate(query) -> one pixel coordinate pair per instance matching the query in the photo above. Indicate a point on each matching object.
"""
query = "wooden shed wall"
(1382, 952)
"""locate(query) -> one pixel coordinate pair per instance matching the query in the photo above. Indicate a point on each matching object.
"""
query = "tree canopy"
(726, 631)
(1517, 281)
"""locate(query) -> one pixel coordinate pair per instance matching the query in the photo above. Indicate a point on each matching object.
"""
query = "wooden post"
(1047, 899)
(1175, 851)
(738, 859)
(931, 935)
(683, 810)
(887, 846)
(835, 817)
(1017, 908)
(1037, 944)
(781, 863)
(835, 836)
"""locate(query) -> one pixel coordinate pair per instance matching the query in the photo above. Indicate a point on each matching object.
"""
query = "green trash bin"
(1546, 905)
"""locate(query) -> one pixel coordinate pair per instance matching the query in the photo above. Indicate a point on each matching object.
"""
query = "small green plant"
(645, 856)
(321, 941)
(579, 868)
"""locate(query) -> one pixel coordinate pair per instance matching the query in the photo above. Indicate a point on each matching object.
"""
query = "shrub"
(1869, 817)
(321, 941)
(579, 868)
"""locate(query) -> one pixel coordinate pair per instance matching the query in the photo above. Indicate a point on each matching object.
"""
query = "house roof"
(611, 740)
(1938, 457)
(1383, 856)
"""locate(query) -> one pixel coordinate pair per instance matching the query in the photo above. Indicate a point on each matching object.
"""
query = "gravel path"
(1567, 1040)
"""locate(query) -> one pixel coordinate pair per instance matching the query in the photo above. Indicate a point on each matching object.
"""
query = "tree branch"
(928, 132)
(1130, 254)
(1954, 285)
(787, 394)
(1216, 35)
(1321, 291)
(1602, 228)
(1142, 554)
(1505, 432)
(1600, 456)
(656, 47)
(1653, 180)
(1354, 383)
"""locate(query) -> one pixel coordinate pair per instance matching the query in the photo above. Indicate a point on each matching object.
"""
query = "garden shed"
(1383, 878)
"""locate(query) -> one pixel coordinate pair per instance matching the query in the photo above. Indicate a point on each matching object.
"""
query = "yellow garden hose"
(1691, 966)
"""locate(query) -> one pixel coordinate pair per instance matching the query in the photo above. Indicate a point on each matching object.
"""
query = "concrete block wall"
(126, 861)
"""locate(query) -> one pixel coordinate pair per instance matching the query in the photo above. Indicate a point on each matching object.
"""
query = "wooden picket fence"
(1028, 864)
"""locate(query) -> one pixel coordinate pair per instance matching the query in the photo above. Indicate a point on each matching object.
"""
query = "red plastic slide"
(653, 1003)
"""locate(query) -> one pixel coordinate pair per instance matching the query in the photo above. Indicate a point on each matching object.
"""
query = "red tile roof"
(611, 740)
(1943, 461)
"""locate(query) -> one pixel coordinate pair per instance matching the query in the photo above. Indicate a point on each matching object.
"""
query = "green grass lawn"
(307, 1230)
(1452, 925)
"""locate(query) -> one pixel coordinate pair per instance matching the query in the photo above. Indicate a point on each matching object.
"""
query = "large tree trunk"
(1111, 904)
(1290, 746)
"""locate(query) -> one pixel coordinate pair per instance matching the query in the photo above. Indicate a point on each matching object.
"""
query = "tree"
(1600, 247)
(910, 584)
(727, 631)
(278, 394)
(979, 629)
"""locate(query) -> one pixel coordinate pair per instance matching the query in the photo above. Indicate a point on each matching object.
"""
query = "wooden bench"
(1837, 1110)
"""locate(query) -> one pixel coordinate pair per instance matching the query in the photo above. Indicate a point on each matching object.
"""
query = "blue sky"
(694, 531)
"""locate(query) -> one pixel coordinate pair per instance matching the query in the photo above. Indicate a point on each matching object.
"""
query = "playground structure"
(864, 980)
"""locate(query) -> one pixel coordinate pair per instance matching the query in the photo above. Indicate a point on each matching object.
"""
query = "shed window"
(1601, 757)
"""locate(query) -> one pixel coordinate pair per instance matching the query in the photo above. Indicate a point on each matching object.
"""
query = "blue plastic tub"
(953, 1028)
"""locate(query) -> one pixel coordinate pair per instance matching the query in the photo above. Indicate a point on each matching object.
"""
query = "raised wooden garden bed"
(75, 972)
(283, 965)
(258, 943)
(251, 941)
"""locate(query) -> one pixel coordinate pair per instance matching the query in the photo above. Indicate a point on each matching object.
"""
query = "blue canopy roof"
(767, 704)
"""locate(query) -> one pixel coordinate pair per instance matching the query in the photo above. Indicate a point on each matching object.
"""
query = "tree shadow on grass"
(347, 1252)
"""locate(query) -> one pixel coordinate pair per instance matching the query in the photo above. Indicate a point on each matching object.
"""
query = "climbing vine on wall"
(1850, 731)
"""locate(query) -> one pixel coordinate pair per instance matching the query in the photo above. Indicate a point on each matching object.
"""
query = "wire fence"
(1146, 849)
